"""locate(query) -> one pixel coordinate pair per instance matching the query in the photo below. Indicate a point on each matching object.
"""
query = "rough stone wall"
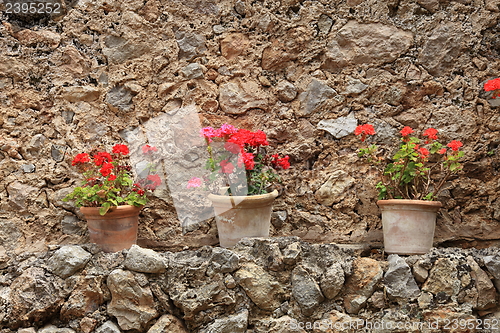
(306, 72)
(279, 285)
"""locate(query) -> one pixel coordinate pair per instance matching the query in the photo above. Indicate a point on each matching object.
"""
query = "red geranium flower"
(106, 169)
(101, 158)
(247, 159)
(120, 149)
(278, 162)
(407, 130)
(423, 153)
(226, 167)
(431, 133)
(364, 130)
(81, 159)
(147, 149)
(111, 178)
(232, 147)
(442, 151)
(492, 85)
(455, 145)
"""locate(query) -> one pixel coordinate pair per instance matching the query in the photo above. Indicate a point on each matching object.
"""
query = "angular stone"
(108, 327)
(306, 291)
(193, 300)
(35, 296)
(332, 280)
(206, 7)
(70, 225)
(131, 304)
(13, 67)
(87, 325)
(292, 253)
(57, 152)
(492, 264)
(339, 322)
(120, 98)
(354, 87)
(10, 234)
(55, 329)
(286, 91)
(36, 144)
(276, 56)
(68, 260)
(234, 45)
(315, 95)
(420, 271)
(360, 285)
(168, 323)
(190, 45)
(118, 49)
(278, 218)
(30, 37)
(334, 189)
(224, 260)
(398, 280)
(485, 289)
(431, 5)
(231, 324)
(27, 330)
(193, 71)
(260, 286)
(325, 23)
(340, 127)
(358, 43)
(85, 298)
(20, 193)
(144, 260)
(441, 50)
(28, 168)
(237, 97)
(81, 93)
(443, 277)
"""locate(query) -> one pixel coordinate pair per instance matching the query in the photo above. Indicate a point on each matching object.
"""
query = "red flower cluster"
(423, 153)
(364, 130)
(153, 182)
(120, 149)
(247, 145)
(455, 145)
(226, 167)
(282, 163)
(493, 85)
(81, 159)
(102, 157)
(245, 137)
(147, 149)
(407, 130)
(431, 133)
(247, 159)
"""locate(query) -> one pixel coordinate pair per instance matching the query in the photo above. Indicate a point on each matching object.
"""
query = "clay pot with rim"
(242, 216)
(408, 225)
(114, 231)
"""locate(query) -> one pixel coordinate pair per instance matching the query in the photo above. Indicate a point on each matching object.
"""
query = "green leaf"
(104, 209)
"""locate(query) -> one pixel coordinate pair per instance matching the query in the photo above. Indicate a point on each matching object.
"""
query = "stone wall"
(306, 72)
(279, 285)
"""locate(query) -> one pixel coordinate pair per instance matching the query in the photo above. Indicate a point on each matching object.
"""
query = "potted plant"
(410, 182)
(109, 198)
(240, 181)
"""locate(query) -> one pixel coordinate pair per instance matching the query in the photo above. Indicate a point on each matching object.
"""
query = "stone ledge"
(274, 285)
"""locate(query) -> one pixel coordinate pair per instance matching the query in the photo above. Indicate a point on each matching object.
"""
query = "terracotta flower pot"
(242, 216)
(408, 225)
(114, 231)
